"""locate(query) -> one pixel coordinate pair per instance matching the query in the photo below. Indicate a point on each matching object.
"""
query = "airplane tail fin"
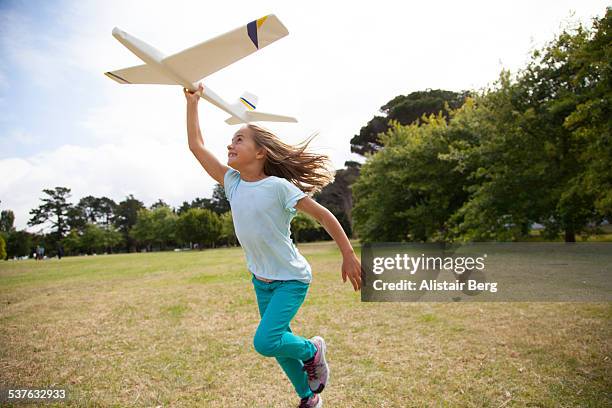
(247, 102)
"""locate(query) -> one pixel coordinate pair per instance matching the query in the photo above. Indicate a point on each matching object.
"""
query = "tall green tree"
(106, 211)
(302, 222)
(158, 204)
(542, 159)
(126, 215)
(97, 210)
(143, 231)
(7, 218)
(405, 109)
(92, 240)
(199, 225)
(155, 227)
(408, 190)
(54, 209)
(337, 196)
(591, 119)
(18, 243)
(219, 200)
(72, 243)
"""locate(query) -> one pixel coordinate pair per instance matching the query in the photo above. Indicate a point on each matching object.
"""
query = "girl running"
(266, 181)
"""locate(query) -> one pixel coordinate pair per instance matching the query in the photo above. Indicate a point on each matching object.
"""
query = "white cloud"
(149, 171)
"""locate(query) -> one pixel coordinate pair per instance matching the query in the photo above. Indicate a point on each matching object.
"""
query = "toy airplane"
(187, 67)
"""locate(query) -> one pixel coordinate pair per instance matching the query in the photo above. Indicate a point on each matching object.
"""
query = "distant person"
(60, 251)
(40, 251)
(264, 181)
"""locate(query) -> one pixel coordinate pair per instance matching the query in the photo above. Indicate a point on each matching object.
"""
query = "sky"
(63, 123)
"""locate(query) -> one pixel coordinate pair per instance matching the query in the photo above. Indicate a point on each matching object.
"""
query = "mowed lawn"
(176, 329)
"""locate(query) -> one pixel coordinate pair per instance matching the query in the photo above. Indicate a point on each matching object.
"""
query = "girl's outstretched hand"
(193, 97)
(351, 268)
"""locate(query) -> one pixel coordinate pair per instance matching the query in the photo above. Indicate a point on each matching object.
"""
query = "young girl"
(265, 181)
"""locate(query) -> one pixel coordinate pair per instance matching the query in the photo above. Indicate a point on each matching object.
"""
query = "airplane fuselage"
(155, 59)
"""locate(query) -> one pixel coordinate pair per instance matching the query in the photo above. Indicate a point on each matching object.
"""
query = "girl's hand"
(351, 268)
(194, 97)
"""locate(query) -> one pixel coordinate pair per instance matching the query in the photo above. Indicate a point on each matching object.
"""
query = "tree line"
(533, 148)
(101, 225)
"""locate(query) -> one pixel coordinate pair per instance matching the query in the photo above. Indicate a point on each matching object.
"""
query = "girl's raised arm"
(211, 164)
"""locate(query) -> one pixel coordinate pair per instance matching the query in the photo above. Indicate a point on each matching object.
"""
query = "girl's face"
(243, 151)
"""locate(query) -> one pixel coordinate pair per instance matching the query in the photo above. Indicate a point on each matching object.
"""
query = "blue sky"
(33, 102)
(63, 123)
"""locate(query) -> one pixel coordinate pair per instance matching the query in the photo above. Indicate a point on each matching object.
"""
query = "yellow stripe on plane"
(246, 104)
(260, 21)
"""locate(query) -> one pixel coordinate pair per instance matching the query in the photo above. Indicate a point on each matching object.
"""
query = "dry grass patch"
(175, 329)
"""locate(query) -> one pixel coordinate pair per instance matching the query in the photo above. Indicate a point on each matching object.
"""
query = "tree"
(18, 243)
(143, 231)
(545, 157)
(408, 190)
(205, 203)
(158, 204)
(219, 202)
(72, 243)
(591, 119)
(405, 109)
(89, 208)
(155, 226)
(7, 218)
(337, 196)
(199, 225)
(54, 209)
(92, 240)
(503, 168)
(164, 226)
(106, 211)
(302, 222)
(126, 215)
(228, 234)
(111, 239)
(96, 210)
(76, 219)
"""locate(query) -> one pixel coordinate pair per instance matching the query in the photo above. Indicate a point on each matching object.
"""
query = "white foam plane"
(188, 67)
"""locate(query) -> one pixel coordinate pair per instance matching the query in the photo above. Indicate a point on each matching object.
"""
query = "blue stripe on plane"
(252, 31)
(250, 104)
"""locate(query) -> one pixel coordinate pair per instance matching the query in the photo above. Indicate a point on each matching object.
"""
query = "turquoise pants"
(278, 303)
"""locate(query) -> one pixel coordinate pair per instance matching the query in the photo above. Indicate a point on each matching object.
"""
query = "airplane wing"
(140, 74)
(255, 116)
(210, 56)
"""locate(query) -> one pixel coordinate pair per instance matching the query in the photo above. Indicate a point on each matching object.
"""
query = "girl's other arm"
(211, 164)
(351, 267)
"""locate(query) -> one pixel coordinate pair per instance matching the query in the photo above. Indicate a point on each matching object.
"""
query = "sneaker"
(317, 369)
(314, 401)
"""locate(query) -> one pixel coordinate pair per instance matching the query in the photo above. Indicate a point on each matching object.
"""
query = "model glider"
(188, 67)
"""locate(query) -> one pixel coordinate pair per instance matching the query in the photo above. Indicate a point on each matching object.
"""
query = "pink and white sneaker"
(314, 401)
(317, 368)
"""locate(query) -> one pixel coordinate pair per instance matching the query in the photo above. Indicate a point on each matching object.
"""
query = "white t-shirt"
(262, 212)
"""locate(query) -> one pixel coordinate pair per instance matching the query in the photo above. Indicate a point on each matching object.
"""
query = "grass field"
(176, 329)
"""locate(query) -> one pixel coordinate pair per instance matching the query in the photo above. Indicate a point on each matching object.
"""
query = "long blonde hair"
(308, 171)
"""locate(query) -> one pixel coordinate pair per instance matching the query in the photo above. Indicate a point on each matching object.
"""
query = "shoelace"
(311, 370)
